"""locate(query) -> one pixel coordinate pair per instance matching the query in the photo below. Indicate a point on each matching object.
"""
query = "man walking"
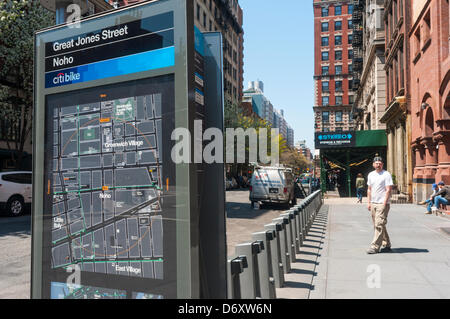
(379, 184)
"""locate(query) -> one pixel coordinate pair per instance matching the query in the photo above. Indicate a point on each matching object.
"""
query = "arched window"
(429, 123)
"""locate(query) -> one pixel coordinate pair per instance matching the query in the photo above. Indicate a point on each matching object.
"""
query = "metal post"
(290, 235)
(275, 248)
(234, 268)
(285, 255)
(266, 277)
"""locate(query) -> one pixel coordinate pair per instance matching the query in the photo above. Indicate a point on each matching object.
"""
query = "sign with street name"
(113, 215)
(334, 139)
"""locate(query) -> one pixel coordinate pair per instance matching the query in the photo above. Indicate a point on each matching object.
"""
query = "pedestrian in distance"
(360, 183)
(429, 201)
(379, 190)
(441, 197)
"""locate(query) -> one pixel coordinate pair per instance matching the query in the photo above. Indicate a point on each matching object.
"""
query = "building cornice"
(395, 110)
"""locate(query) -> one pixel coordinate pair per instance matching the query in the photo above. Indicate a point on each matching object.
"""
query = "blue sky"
(279, 50)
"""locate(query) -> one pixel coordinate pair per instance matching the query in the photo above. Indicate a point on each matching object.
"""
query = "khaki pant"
(379, 218)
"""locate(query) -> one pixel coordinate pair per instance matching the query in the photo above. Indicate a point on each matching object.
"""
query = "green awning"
(371, 138)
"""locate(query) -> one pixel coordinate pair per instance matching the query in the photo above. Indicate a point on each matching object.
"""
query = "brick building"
(332, 67)
(430, 94)
(397, 115)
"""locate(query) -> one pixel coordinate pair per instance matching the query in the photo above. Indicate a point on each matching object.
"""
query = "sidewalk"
(338, 266)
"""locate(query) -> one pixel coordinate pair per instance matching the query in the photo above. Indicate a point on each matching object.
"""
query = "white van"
(272, 185)
(15, 192)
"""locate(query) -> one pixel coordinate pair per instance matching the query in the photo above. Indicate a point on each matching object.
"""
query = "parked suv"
(15, 192)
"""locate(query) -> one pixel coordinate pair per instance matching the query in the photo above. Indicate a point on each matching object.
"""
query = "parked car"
(272, 185)
(15, 192)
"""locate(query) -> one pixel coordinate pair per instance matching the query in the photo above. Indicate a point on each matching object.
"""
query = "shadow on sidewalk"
(292, 284)
(408, 250)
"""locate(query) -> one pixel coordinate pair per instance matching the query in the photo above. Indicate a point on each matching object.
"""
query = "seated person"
(441, 197)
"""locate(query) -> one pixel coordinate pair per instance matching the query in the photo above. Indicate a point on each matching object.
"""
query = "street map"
(107, 188)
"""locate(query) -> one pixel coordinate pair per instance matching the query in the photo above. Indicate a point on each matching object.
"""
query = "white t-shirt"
(379, 182)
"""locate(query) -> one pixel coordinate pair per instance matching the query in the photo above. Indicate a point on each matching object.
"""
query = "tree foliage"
(19, 20)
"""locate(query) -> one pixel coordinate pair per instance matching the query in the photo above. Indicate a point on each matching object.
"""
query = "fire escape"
(358, 52)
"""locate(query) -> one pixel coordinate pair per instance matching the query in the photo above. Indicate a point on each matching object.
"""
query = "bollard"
(290, 235)
(234, 268)
(249, 279)
(300, 223)
(303, 219)
(275, 248)
(296, 230)
(266, 277)
(285, 251)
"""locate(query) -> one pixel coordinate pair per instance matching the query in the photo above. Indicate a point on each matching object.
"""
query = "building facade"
(430, 94)
(225, 16)
(397, 117)
(333, 53)
(369, 78)
(261, 106)
(290, 136)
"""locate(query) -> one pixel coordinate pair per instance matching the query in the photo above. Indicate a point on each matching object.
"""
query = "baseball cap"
(378, 159)
(441, 183)
(434, 186)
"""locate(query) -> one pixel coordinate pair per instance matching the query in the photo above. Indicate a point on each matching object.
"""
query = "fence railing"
(259, 266)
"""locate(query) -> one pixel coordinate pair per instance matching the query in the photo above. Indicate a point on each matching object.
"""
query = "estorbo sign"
(113, 215)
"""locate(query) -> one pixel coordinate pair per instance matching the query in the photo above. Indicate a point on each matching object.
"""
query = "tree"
(234, 117)
(291, 157)
(19, 20)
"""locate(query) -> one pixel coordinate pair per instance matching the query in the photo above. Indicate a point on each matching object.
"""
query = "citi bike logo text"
(66, 77)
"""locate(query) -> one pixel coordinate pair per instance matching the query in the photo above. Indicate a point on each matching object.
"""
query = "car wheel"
(15, 206)
(252, 204)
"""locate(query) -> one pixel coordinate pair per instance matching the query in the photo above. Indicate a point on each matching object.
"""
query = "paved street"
(242, 220)
(15, 252)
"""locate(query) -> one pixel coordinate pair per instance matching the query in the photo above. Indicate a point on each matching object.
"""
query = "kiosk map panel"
(107, 187)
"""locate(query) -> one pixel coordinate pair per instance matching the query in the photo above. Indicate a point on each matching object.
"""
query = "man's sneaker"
(386, 249)
(422, 203)
(427, 213)
(372, 251)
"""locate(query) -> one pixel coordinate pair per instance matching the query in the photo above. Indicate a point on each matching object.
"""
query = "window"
(324, 26)
(198, 12)
(350, 9)
(350, 24)
(338, 40)
(350, 85)
(338, 85)
(350, 68)
(204, 20)
(325, 70)
(325, 86)
(19, 178)
(325, 56)
(325, 101)
(350, 54)
(338, 69)
(325, 117)
(339, 129)
(350, 39)
(351, 98)
(338, 100)
(338, 55)
(339, 116)
(337, 10)
(324, 41)
(337, 25)
(324, 12)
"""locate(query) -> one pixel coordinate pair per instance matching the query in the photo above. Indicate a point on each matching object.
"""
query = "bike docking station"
(113, 215)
